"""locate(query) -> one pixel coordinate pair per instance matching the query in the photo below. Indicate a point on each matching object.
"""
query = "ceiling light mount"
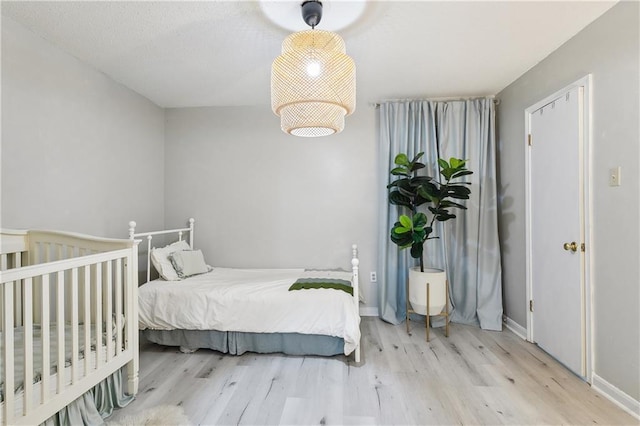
(312, 12)
(313, 81)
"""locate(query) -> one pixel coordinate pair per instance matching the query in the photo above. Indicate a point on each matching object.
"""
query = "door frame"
(585, 83)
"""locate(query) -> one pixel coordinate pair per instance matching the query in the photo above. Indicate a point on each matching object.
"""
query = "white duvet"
(251, 300)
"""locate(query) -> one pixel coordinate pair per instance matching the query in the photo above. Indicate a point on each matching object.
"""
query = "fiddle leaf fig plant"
(411, 190)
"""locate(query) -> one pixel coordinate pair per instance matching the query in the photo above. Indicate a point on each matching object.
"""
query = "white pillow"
(188, 263)
(160, 259)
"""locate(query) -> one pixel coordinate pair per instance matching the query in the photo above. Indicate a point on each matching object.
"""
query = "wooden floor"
(473, 377)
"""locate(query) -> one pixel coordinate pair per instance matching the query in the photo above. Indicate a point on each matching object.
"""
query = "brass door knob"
(571, 246)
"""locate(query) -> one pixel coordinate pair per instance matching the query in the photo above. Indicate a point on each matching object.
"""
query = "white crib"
(69, 319)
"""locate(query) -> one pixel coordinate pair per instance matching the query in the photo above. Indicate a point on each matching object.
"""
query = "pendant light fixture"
(313, 81)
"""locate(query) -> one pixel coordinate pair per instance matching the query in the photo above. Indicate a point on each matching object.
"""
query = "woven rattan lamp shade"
(313, 84)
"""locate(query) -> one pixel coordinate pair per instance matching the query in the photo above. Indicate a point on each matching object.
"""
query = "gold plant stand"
(444, 314)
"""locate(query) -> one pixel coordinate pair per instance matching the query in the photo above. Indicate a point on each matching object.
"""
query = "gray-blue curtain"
(468, 248)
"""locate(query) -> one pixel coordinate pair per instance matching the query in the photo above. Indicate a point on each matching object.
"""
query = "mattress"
(19, 367)
(251, 301)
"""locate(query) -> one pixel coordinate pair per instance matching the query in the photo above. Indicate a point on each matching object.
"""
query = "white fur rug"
(162, 415)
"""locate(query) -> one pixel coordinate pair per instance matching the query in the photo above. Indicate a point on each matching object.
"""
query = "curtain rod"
(495, 101)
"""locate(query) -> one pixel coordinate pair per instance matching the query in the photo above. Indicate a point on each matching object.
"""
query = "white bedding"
(251, 300)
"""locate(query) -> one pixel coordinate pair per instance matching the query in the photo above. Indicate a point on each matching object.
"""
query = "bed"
(69, 321)
(235, 310)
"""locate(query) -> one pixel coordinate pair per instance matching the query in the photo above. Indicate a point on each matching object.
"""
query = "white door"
(557, 229)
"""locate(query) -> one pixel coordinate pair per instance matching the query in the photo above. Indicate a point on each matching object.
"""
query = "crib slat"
(87, 319)
(17, 294)
(118, 283)
(9, 382)
(46, 341)
(28, 345)
(60, 330)
(74, 325)
(109, 310)
(98, 311)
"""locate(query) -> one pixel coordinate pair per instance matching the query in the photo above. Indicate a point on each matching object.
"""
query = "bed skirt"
(237, 343)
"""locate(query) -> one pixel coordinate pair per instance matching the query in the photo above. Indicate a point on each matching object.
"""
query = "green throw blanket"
(311, 283)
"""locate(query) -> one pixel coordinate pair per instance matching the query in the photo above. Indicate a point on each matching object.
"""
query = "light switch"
(614, 176)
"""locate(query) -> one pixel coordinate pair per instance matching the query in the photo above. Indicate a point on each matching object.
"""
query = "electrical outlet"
(374, 277)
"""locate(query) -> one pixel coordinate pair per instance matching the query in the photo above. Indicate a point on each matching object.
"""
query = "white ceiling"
(219, 53)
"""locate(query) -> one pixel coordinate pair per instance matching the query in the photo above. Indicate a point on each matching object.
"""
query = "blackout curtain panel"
(468, 246)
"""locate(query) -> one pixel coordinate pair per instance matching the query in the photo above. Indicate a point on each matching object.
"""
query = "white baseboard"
(369, 311)
(517, 329)
(616, 396)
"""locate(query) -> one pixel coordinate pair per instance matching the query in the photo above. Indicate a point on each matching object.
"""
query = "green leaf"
(404, 183)
(447, 203)
(444, 218)
(422, 191)
(429, 191)
(419, 220)
(462, 173)
(401, 160)
(407, 192)
(443, 163)
(400, 171)
(406, 221)
(420, 180)
(402, 240)
(397, 199)
(402, 230)
(417, 157)
(456, 162)
(447, 172)
(458, 193)
(417, 166)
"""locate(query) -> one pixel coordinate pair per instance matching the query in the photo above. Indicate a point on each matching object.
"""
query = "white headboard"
(149, 236)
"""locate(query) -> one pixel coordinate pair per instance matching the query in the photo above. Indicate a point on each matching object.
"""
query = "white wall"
(80, 152)
(262, 198)
(609, 50)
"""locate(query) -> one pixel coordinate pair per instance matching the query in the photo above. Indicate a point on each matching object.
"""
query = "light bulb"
(313, 69)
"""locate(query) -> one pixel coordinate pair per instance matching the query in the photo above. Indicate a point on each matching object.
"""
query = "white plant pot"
(437, 279)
